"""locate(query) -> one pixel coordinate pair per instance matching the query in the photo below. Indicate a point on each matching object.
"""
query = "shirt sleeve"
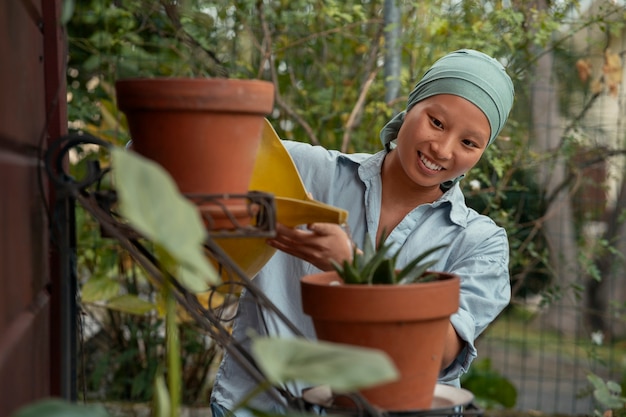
(485, 292)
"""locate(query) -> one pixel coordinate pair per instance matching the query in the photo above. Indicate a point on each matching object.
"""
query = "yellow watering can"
(275, 173)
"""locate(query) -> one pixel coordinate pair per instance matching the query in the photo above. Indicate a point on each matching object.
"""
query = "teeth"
(429, 164)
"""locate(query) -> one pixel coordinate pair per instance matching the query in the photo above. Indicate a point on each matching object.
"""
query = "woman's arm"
(452, 349)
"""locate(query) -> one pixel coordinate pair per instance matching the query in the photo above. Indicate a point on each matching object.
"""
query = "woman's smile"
(428, 164)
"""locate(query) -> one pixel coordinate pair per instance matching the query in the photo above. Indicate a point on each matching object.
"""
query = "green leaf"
(67, 11)
(150, 200)
(131, 304)
(614, 387)
(384, 273)
(99, 289)
(52, 407)
(161, 400)
(595, 380)
(342, 367)
(417, 274)
(608, 400)
(415, 269)
(347, 272)
(372, 261)
(375, 266)
(607, 393)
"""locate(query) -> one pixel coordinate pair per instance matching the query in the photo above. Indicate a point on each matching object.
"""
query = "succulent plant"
(373, 265)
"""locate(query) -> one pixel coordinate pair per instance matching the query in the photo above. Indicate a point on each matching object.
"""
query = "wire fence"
(548, 344)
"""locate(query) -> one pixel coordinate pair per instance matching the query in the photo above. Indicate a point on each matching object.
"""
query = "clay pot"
(408, 322)
(204, 131)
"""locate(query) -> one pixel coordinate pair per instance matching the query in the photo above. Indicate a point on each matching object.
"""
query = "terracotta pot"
(408, 322)
(204, 131)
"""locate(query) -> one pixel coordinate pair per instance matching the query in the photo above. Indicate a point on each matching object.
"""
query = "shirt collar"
(456, 200)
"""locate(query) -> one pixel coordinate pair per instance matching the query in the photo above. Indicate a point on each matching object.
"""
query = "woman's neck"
(399, 189)
(400, 195)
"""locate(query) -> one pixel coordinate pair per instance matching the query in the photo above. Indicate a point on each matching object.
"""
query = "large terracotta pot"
(408, 322)
(204, 131)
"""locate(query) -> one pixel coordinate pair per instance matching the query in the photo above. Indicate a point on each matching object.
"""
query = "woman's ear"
(389, 132)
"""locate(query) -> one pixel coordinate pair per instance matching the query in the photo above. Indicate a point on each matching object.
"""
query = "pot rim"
(324, 279)
(378, 303)
(196, 94)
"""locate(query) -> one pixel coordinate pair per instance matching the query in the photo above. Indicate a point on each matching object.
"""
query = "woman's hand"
(317, 244)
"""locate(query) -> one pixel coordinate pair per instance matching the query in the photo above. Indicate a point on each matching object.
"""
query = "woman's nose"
(442, 148)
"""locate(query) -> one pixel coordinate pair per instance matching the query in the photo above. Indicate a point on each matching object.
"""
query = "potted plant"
(404, 312)
(198, 117)
(204, 131)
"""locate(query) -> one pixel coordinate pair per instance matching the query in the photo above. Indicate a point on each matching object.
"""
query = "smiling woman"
(409, 193)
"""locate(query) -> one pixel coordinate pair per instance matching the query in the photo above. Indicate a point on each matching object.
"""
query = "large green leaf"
(150, 200)
(53, 407)
(342, 367)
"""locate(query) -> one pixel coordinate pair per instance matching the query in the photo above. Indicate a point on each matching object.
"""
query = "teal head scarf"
(466, 73)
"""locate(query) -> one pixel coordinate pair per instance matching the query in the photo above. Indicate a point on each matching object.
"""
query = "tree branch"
(356, 111)
(171, 10)
(360, 103)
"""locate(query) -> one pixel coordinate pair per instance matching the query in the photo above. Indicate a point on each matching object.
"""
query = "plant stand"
(100, 204)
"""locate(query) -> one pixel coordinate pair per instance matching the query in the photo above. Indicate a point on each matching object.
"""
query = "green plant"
(174, 227)
(176, 230)
(491, 389)
(608, 396)
(375, 266)
(55, 407)
(123, 320)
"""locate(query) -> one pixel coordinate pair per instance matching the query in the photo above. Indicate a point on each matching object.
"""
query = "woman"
(410, 191)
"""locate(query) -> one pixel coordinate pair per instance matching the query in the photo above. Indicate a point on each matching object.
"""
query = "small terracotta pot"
(204, 131)
(408, 322)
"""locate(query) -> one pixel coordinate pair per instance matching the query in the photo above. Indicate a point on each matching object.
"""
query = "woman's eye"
(469, 143)
(436, 122)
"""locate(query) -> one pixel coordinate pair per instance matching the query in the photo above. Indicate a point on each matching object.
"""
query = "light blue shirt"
(477, 251)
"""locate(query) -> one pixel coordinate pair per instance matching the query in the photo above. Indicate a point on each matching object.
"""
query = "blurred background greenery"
(554, 179)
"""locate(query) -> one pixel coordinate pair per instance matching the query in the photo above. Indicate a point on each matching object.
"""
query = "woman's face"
(442, 137)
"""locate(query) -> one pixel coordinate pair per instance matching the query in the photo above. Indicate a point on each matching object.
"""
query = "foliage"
(321, 64)
(324, 57)
(513, 199)
(608, 396)
(176, 230)
(491, 389)
(174, 225)
(374, 266)
(341, 367)
(53, 407)
(124, 312)
(282, 360)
